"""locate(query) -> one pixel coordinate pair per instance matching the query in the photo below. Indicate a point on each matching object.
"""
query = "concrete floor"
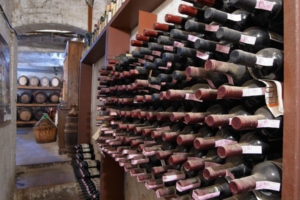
(29, 152)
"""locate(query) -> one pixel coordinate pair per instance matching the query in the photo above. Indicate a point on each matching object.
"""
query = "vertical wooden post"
(90, 18)
(85, 89)
(291, 143)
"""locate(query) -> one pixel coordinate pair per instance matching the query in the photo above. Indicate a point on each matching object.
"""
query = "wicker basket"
(45, 131)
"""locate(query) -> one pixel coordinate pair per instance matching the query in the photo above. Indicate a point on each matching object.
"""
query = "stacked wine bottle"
(194, 112)
(86, 170)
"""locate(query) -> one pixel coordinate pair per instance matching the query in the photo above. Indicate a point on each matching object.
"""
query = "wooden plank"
(291, 126)
(117, 42)
(125, 19)
(38, 88)
(128, 18)
(112, 179)
(37, 105)
(84, 116)
(26, 122)
(146, 20)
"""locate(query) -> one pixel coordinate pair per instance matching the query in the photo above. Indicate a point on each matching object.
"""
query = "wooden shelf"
(125, 19)
(38, 88)
(37, 105)
(26, 122)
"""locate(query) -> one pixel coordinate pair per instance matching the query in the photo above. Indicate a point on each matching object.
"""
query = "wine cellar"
(160, 99)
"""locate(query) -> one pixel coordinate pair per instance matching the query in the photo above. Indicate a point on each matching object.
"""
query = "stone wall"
(69, 15)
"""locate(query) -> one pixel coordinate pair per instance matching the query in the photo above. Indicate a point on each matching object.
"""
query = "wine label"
(252, 149)
(109, 132)
(157, 87)
(149, 57)
(178, 44)
(156, 53)
(224, 142)
(192, 97)
(234, 17)
(264, 5)
(267, 185)
(202, 55)
(206, 196)
(173, 177)
(273, 97)
(141, 60)
(94, 172)
(222, 48)
(268, 62)
(192, 38)
(268, 123)
(212, 28)
(168, 48)
(248, 39)
(247, 92)
(188, 187)
(104, 129)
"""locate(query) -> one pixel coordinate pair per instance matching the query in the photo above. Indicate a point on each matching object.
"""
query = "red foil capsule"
(173, 19)
(161, 27)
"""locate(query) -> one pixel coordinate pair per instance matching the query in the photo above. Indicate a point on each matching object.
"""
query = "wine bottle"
(264, 13)
(238, 19)
(221, 49)
(181, 94)
(252, 39)
(236, 74)
(219, 190)
(175, 19)
(225, 120)
(188, 139)
(266, 63)
(222, 137)
(191, 11)
(262, 119)
(265, 176)
(252, 146)
(214, 79)
(235, 167)
(200, 116)
(252, 92)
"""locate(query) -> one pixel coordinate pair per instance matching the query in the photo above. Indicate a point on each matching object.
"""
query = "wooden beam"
(291, 138)
(84, 116)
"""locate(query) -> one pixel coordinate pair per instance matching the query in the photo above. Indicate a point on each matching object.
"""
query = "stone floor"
(41, 173)
(29, 152)
(50, 181)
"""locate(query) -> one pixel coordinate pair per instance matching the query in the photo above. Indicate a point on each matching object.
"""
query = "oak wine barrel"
(25, 114)
(45, 82)
(55, 82)
(54, 97)
(25, 97)
(23, 80)
(40, 97)
(34, 81)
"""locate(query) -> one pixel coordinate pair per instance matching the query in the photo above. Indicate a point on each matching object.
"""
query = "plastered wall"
(8, 131)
